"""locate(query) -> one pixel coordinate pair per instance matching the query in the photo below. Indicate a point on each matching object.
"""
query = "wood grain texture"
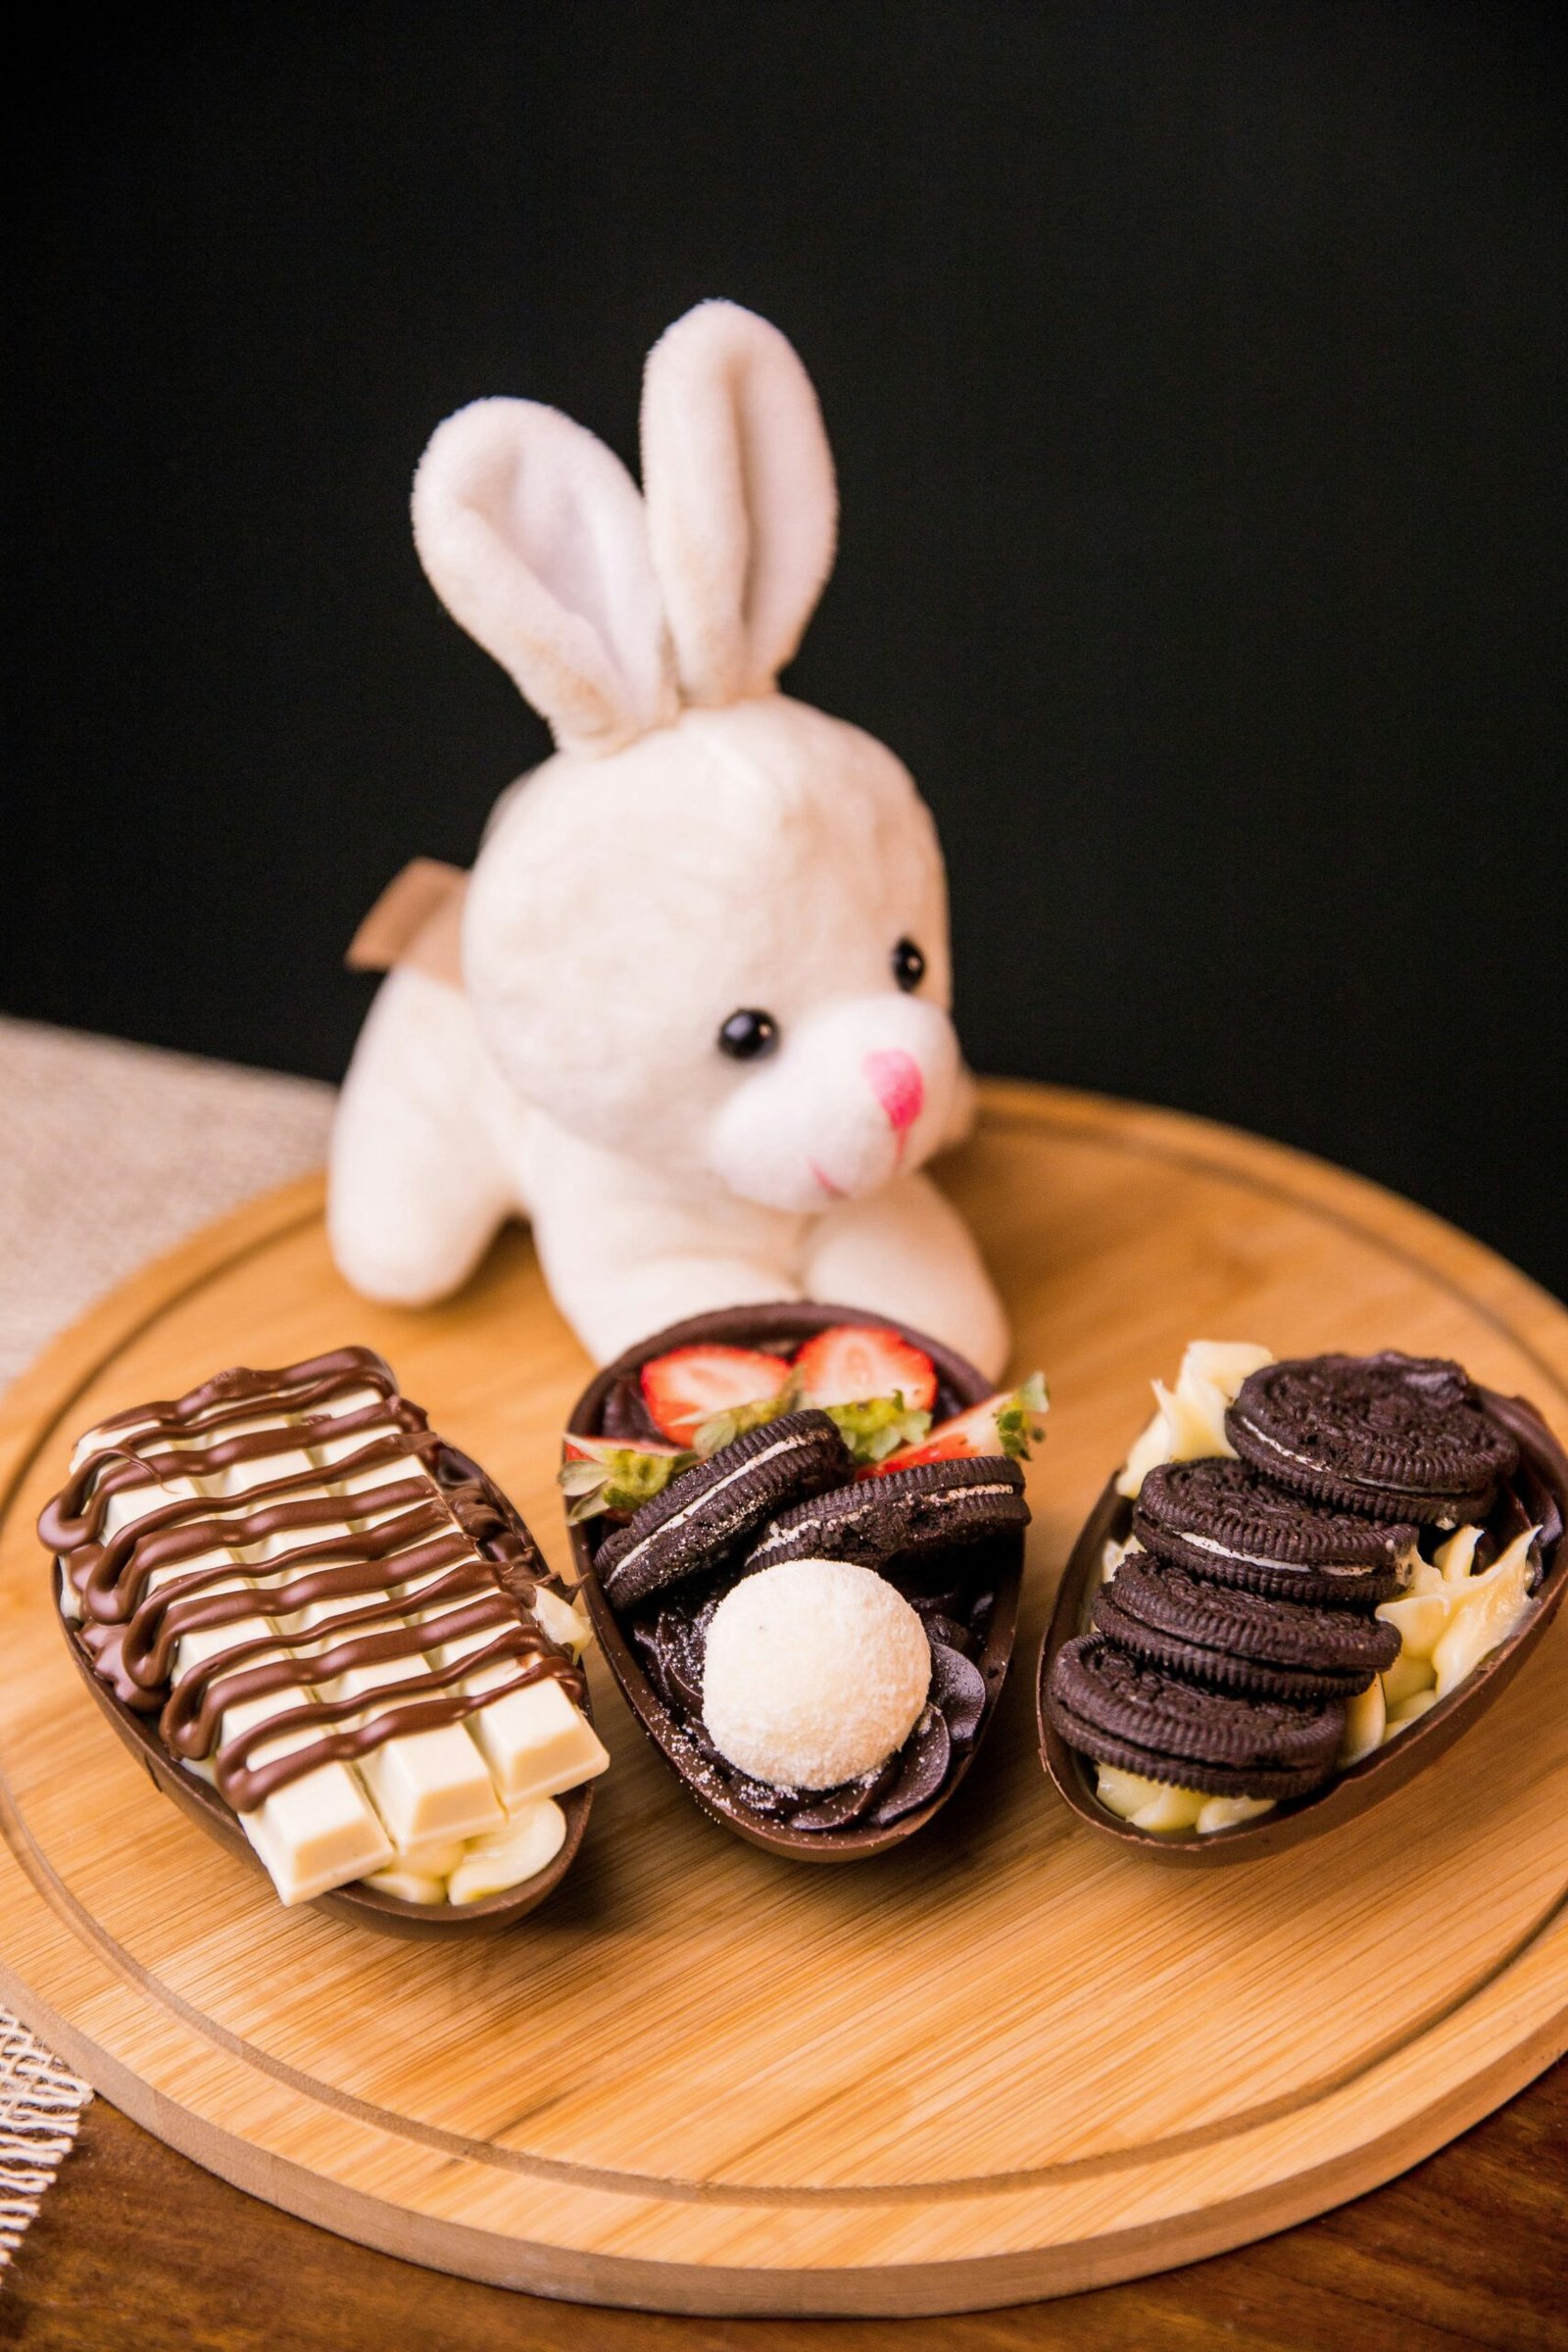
(1000, 2062)
(137, 2250)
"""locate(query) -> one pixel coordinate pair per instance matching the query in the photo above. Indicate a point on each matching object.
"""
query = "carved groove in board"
(764, 2191)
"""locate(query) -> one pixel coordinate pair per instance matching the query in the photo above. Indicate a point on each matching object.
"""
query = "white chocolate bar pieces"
(452, 1812)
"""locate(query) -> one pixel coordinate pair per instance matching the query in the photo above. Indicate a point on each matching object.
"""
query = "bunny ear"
(742, 507)
(533, 536)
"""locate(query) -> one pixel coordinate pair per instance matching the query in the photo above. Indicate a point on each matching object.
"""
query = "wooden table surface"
(1469, 2248)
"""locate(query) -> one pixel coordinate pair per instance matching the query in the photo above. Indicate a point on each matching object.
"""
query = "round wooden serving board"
(1005, 2060)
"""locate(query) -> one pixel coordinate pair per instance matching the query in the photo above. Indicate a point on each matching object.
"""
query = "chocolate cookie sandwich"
(904, 1515)
(1398, 1437)
(812, 1613)
(1224, 1520)
(1239, 1657)
(333, 1639)
(1240, 1641)
(1167, 1726)
(716, 1506)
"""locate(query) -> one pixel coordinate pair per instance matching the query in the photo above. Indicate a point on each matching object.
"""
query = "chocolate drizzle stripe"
(163, 1465)
(227, 1394)
(391, 1572)
(230, 1396)
(114, 1580)
(296, 1660)
(246, 1787)
(192, 1606)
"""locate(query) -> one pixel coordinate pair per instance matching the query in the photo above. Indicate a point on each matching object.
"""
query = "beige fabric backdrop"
(110, 1153)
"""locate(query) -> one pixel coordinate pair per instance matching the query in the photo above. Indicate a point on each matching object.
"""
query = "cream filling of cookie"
(1259, 1559)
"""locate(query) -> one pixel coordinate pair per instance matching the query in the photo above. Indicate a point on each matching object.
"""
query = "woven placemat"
(111, 1153)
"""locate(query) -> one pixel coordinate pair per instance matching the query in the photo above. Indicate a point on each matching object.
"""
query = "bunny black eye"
(746, 1036)
(908, 965)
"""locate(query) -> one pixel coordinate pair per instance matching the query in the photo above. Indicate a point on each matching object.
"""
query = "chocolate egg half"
(967, 1597)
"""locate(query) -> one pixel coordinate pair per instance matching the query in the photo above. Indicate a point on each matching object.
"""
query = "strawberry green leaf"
(722, 1429)
(617, 1479)
(878, 1426)
(1018, 1419)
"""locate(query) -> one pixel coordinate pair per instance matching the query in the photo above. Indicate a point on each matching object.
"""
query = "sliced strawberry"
(1005, 1423)
(606, 1474)
(693, 1384)
(851, 1362)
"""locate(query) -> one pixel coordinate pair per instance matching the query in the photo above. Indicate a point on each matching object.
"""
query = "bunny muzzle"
(858, 1093)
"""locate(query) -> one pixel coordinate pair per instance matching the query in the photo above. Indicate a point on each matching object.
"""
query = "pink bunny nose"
(896, 1080)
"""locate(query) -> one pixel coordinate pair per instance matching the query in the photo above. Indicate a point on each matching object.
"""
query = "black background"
(1196, 376)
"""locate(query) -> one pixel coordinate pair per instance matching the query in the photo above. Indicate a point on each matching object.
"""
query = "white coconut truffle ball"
(816, 1672)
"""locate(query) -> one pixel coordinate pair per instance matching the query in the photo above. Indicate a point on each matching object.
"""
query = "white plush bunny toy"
(701, 1036)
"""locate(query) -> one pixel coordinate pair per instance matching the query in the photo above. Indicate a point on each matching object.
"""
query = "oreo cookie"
(901, 1516)
(1395, 1436)
(713, 1508)
(1139, 1717)
(1224, 1520)
(1339, 1647)
(1225, 1669)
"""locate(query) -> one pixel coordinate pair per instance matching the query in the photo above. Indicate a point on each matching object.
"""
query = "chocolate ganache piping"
(407, 1564)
